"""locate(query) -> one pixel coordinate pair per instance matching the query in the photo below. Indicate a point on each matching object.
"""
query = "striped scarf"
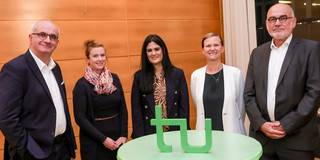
(103, 83)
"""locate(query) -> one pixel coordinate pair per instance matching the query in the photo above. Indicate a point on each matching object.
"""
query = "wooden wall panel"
(73, 122)
(177, 9)
(179, 36)
(1, 141)
(189, 62)
(62, 10)
(14, 39)
(120, 66)
(135, 62)
(193, 121)
(128, 101)
(72, 71)
(73, 35)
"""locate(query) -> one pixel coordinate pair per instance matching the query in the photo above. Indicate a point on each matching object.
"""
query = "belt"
(101, 119)
(58, 139)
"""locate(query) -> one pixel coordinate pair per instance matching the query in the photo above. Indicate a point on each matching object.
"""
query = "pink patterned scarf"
(103, 83)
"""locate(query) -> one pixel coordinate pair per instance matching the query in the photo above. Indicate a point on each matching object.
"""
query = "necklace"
(216, 79)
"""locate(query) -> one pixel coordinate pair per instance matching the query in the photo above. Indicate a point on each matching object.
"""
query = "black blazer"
(143, 105)
(84, 116)
(27, 112)
(297, 93)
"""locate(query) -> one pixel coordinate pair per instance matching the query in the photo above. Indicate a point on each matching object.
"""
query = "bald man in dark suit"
(34, 115)
(282, 90)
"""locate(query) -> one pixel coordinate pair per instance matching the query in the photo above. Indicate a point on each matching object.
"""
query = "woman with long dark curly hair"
(158, 82)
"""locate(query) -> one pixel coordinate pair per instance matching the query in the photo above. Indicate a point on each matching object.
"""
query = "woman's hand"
(110, 143)
(121, 140)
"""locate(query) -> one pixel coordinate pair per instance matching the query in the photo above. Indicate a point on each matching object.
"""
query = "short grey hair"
(34, 26)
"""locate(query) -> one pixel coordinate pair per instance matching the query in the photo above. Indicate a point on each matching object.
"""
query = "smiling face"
(212, 48)
(40, 46)
(278, 30)
(97, 59)
(154, 53)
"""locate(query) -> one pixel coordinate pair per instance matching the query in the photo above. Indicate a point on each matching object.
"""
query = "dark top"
(213, 97)
(143, 105)
(89, 105)
(106, 105)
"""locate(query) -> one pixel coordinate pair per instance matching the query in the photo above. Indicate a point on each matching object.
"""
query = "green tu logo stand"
(159, 123)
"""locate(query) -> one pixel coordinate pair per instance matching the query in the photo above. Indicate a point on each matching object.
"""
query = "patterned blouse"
(159, 86)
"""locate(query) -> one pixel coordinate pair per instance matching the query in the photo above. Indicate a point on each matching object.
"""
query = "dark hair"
(147, 69)
(89, 44)
(208, 35)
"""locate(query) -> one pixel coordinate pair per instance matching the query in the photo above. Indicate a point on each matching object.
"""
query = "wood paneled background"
(121, 25)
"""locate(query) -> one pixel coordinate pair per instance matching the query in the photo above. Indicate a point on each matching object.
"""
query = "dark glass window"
(307, 13)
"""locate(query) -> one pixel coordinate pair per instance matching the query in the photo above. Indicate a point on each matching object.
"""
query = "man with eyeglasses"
(282, 90)
(34, 115)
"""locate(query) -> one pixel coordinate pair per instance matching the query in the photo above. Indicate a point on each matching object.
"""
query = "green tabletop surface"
(225, 146)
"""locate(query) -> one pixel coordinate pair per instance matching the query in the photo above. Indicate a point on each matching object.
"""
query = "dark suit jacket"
(27, 112)
(297, 93)
(143, 105)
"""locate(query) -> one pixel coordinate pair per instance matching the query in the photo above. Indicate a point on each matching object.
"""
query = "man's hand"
(273, 130)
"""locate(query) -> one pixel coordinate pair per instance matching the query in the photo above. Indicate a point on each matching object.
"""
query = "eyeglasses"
(282, 19)
(43, 36)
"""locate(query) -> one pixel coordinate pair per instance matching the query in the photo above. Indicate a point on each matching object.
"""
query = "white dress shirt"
(52, 84)
(277, 56)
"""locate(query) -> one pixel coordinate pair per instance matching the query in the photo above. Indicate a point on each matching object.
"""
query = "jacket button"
(143, 95)
(176, 92)
(147, 118)
(145, 106)
(224, 114)
(175, 103)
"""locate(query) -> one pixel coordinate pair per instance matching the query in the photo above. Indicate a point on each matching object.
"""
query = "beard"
(280, 35)
(281, 32)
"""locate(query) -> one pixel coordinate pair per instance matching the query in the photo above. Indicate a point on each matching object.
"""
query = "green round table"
(225, 146)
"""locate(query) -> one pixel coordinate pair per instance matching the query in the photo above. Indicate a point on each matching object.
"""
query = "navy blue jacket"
(27, 112)
(143, 105)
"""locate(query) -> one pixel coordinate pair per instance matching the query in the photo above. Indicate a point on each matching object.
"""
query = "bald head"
(281, 6)
(44, 21)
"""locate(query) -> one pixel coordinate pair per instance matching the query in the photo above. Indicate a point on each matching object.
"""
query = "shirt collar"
(40, 64)
(286, 43)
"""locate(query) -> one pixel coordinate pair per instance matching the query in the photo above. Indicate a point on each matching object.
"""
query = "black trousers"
(60, 151)
(273, 150)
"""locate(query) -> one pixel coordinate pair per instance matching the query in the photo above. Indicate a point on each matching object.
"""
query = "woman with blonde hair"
(99, 107)
(217, 90)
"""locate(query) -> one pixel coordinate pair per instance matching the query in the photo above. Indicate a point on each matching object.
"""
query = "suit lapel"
(287, 60)
(35, 69)
(56, 73)
(265, 65)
